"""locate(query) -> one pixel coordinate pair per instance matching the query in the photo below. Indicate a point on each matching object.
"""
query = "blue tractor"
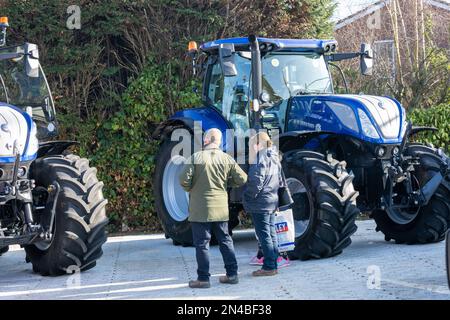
(343, 154)
(51, 202)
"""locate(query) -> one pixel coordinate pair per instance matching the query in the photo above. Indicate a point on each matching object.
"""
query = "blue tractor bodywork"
(26, 155)
(338, 114)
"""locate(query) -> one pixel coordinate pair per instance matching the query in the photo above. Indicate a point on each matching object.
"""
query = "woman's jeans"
(265, 231)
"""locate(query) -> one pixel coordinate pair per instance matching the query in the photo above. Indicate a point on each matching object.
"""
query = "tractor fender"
(164, 129)
(204, 118)
(416, 129)
(51, 148)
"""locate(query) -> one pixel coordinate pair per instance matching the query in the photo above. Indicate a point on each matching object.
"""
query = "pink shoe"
(256, 262)
(283, 262)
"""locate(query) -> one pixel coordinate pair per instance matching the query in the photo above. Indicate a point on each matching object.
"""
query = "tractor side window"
(215, 88)
(3, 96)
(230, 94)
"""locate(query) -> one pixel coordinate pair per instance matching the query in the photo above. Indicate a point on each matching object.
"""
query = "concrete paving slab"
(150, 267)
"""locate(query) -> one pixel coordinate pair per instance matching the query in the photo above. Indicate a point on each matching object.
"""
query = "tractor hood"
(369, 118)
(16, 129)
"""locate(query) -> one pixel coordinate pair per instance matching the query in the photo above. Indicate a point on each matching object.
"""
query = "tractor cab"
(282, 69)
(23, 84)
(288, 68)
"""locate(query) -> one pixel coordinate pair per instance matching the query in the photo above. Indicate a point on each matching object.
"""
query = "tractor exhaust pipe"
(256, 79)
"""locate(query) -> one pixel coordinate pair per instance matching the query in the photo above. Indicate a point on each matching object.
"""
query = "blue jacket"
(264, 180)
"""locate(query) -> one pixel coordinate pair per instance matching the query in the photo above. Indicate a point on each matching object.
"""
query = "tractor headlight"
(395, 151)
(404, 124)
(367, 126)
(33, 143)
(21, 172)
(380, 151)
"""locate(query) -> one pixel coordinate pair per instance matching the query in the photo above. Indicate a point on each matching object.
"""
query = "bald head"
(213, 135)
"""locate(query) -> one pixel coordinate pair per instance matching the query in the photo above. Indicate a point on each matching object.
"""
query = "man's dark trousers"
(201, 232)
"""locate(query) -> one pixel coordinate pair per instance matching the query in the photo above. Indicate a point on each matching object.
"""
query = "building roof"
(308, 44)
(442, 4)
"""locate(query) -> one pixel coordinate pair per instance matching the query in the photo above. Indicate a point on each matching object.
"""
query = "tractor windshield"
(24, 90)
(287, 74)
(284, 74)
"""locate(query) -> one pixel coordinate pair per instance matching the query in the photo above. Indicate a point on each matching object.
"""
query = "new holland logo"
(281, 227)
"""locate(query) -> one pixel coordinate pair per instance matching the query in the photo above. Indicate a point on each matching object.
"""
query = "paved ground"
(149, 267)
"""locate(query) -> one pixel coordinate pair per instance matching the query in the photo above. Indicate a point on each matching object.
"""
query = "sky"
(348, 7)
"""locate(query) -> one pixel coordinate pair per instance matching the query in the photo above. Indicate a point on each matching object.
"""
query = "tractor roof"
(275, 44)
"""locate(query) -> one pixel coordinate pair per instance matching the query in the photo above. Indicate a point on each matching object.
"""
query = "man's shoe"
(264, 273)
(229, 280)
(196, 284)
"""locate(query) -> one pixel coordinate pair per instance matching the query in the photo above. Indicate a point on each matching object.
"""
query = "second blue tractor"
(343, 154)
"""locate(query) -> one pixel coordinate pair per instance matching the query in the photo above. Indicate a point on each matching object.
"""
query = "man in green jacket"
(207, 176)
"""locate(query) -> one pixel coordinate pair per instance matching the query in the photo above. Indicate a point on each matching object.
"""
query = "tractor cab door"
(230, 95)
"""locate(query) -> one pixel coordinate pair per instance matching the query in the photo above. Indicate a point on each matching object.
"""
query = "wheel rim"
(43, 245)
(176, 200)
(404, 215)
(302, 208)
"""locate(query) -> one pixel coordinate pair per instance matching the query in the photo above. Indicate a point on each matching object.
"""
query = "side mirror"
(226, 56)
(366, 62)
(32, 60)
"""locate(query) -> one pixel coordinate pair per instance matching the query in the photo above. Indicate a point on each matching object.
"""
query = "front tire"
(432, 220)
(80, 217)
(324, 204)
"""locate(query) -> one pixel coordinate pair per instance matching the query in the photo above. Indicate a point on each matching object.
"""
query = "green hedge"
(438, 117)
(124, 153)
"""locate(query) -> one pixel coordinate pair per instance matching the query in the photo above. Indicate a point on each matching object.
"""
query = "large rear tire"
(324, 204)
(80, 217)
(172, 202)
(430, 222)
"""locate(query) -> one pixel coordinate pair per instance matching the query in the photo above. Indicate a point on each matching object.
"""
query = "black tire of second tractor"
(80, 218)
(332, 201)
(433, 219)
